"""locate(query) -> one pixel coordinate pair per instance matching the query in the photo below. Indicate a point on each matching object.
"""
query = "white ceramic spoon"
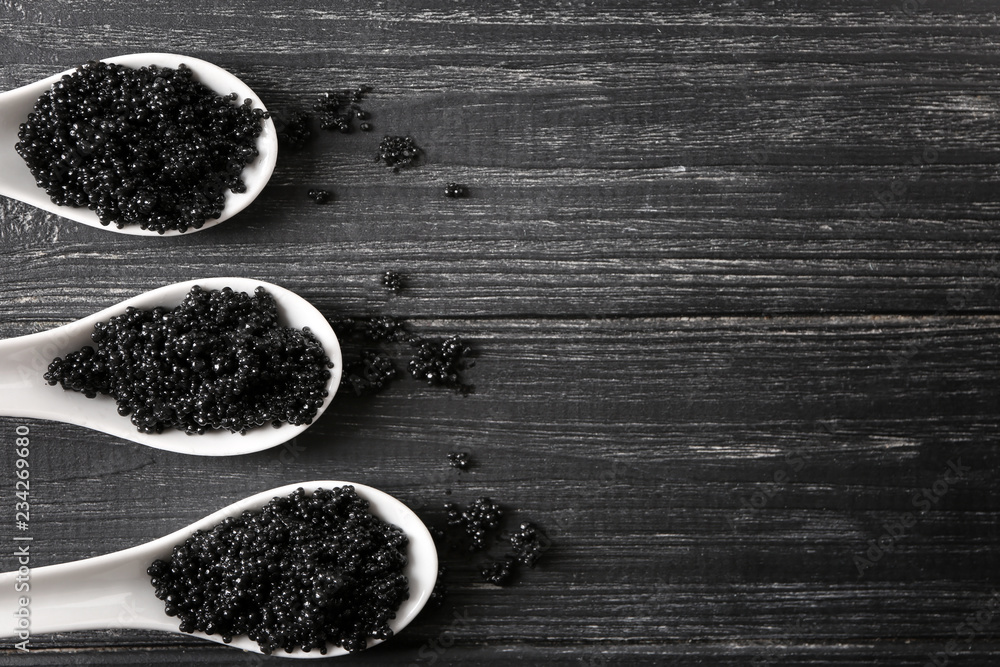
(24, 360)
(18, 183)
(114, 591)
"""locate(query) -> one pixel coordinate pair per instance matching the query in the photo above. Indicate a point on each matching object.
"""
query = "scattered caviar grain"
(148, 147)
(320, 196)
(392, 281)
(435, 363)
(306, 571)
(527, 544)
(372, 343)
(366, 127)
(397, 152)
(459, 460)
(383, 328)
(455, 190)
(338, 109)
(219, 360)
(367, 370)
(499, 573)
(478, 531)
(368, 375)
(440, 590)
(293, 129)
(477, 522)
(441, 363)
(370, 329)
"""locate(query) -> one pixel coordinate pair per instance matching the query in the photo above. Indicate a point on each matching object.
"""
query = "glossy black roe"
(320, 196)
(459, 460)
(397, 152)
(149, 147)
(392, 281)
(303, 572)
(293, 129)
(338, 109)
(441, 363)
(219, 360)
(528, 544)
(368, 374)
(477, 522)
(499, 573)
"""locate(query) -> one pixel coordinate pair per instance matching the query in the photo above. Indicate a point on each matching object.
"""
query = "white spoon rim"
(25, 393)
(115, 579)
(18, 183)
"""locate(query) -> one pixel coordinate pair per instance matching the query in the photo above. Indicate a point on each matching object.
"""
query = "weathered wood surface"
(732, 270)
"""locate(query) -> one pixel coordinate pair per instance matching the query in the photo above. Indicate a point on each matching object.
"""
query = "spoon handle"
(23, 362)
(106, 592)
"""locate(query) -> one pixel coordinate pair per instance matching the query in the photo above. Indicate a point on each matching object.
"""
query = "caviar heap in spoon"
(115, 590)
(25, 393)
(167, 178)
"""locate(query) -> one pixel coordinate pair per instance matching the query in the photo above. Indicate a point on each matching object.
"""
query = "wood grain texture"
(731, 269)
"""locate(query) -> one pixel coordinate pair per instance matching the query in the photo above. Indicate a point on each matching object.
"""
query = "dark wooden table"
(731, 270)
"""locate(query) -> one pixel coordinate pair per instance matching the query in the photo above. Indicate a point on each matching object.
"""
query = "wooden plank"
(637, 444)
(731, 270)
(683, 168)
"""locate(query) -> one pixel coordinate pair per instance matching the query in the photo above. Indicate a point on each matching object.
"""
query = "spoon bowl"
(24, 360)
(113, 591)
(17, 182)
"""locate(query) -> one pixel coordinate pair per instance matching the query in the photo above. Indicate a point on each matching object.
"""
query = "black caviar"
(455, 190)
(151, 146)
(364, 339)
(476, 533)
(373, 329)
(292, 129)
(303, 572)
(383, 328)
(320, 196)
(440, 590)
(219, 360)
(392, 281)
(477, 522)
(368, 374)
(440, 363)
(527, 543)
(397, 152)
(459, 460)
(338, 109)
(499, 573)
